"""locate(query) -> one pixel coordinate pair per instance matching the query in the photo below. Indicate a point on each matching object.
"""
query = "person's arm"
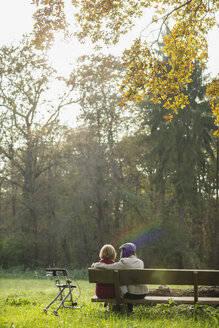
(113, 266)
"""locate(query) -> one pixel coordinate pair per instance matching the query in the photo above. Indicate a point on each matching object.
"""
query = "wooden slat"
(208, 300)
(208, 278)
(156, 277)
(169, 277)
(101, 276)
(162, 299)
(177, 300)
(105, 300)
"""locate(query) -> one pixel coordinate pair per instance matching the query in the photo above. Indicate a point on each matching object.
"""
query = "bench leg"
(195, 287)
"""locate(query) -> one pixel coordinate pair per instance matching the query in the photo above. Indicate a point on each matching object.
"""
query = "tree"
(179, 158)
(29, 121)
(189, 22)
(96, 81)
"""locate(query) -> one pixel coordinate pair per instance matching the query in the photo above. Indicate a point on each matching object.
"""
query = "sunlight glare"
(63, 54)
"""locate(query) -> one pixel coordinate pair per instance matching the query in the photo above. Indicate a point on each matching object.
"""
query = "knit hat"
(130, 247)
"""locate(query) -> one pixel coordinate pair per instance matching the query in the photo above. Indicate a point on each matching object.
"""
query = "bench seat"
(163, 300)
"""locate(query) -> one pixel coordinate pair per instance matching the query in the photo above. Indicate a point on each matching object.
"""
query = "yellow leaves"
(216, 133)
(185, 44)
(107, 20)
(139, 98)
(49, 17)
(155, 19)
(147, 75)
(168, 118)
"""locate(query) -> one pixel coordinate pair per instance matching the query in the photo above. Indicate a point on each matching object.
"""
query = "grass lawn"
(22, 302)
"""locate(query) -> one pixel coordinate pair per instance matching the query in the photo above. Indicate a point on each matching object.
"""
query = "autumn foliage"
(188, 23)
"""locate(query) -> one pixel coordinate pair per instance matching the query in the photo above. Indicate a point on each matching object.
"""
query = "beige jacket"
(131, 262)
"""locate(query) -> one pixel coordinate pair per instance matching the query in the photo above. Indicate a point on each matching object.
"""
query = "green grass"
(39, 273)
(22, 302)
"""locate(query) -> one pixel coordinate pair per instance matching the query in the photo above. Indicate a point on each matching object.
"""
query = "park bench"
(167, 277)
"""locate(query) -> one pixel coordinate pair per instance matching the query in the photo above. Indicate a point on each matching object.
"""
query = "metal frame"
(68, 298)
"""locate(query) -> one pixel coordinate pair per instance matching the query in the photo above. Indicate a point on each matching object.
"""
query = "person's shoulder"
(140, 263)
(127, 259)
(139, 260)
(135, 259)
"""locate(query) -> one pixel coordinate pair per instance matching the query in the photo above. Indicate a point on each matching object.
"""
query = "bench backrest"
(101, 276)
(169, 277)
(155, 276)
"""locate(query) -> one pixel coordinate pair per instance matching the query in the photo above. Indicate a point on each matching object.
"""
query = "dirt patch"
(202, 291)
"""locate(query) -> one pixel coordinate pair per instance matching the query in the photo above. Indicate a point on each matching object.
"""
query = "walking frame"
(63, 287)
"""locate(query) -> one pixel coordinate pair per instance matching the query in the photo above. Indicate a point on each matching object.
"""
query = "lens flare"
(139, 235)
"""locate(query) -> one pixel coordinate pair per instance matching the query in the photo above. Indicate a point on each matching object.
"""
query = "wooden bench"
(156, 277)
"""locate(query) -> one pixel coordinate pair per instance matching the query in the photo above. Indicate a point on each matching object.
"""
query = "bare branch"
(164, 19)
(11, 158)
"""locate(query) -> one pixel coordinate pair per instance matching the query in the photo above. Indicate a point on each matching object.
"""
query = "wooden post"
(195, 287)
(117, 289)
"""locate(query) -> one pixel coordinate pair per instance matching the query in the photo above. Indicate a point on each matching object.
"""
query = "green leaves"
(19, 301)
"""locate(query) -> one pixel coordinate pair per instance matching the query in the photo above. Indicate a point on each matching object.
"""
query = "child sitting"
(107, 255)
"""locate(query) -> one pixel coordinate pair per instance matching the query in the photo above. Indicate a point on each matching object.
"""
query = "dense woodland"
(123, 174)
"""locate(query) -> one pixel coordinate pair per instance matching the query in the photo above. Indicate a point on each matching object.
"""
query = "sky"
(16, 20)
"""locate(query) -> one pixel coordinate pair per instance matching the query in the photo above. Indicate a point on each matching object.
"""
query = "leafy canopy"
(106, 20)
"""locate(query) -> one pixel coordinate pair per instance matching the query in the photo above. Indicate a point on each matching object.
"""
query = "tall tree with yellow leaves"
(106, 20)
